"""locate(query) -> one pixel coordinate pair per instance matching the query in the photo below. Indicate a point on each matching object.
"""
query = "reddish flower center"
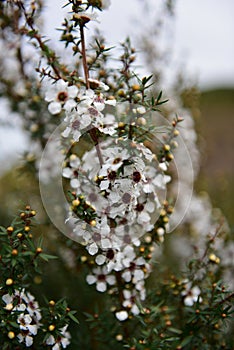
(139, 207)
(76, 124)
(112, 175)
(101, 277)
(110, 254)
(136, 176)
(96, 237)
(126, 198)
(62, 96)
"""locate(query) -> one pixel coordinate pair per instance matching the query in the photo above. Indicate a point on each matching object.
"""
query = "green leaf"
(187, 340)
(72, 317)
(47, 257)
(175, 330)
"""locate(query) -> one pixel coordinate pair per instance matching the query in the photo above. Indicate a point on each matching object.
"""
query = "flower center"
(101, 277)
(62, 96)
(112, 175)
(136, 176)
(126, 198)
(96, 237)
(76, 125)
(93, 111)
(110, 254)
(116, 160)
(139, 207)
(127, 239)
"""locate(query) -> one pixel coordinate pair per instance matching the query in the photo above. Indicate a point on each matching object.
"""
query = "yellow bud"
(9, 307)
(14, 252)
(27, 228)
(11, 335)
(121, 93)
(176, 132)
(93, 223)
(214, 259)
(19, 235)
(83, 258)
(37, 280)
(51, 327)
(141, 121)
(148, 239)
(51, 302)
(73, 157)
(119, 337)
(75, 202)
(170, 156)
(10, 229)
(33, 212)
(39, 250)
(163, 212)
(34, 127)
(136, 87)
(9, 281)
(167, 147)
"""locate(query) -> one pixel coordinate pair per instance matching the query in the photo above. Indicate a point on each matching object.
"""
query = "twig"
(84, 59)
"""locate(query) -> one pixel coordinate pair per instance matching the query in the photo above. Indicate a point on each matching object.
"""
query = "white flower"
(63, 340)
(101, 278)
(129, 301)
(122, 259)
(72, 172)
(121, 315)
(76, 124)
(61, 96)
(28, 339)
(191, 294)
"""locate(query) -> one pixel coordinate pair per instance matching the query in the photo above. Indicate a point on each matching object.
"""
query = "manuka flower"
(191, 294)
(62, 341)
(61, 96)
(102, 278)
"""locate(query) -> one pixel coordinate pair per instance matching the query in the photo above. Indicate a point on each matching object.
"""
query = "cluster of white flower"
(119, 198)
(117, 187)
(27, 312)
(83, 108)
(25, 309)
(117, 191)
(61, 342)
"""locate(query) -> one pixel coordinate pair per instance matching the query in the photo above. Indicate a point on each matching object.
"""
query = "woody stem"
(84, 59)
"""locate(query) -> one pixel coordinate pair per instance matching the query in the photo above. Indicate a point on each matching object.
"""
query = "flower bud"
(14, 252)
(11, 335)
(9, 281)
(51, 327)
(10, 229)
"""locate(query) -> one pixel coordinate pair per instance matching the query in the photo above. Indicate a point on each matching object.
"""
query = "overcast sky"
(201, 35)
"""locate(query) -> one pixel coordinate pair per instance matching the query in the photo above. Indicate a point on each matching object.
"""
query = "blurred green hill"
(216, 134)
